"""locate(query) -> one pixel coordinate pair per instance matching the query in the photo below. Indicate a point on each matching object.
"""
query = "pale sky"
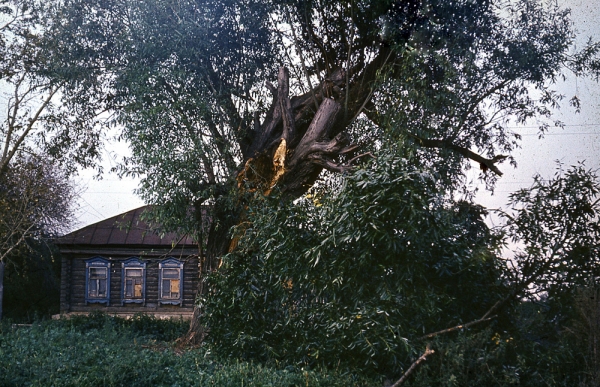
(579, 141)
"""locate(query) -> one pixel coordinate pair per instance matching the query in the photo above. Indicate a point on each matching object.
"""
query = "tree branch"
(422, 358)
(339, 145)
(330, 165)
(263, 136)
(32, 121)
(457, 327)
(318, 129)
(483, 162)
(285, 105)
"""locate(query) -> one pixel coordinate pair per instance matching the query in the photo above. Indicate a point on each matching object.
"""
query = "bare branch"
(32, 121)
(318, 129)
(413, 367)
(361, 155)
(457, 327)
(483, 162)
(330, 165)
(285, 105)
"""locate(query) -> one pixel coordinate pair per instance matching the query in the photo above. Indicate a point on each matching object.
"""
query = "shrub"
(353, 278)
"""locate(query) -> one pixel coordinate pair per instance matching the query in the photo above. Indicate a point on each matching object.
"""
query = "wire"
(558, 134)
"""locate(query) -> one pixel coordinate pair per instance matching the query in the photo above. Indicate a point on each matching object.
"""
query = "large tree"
(48, 127)
(36, 202)
(222, 99)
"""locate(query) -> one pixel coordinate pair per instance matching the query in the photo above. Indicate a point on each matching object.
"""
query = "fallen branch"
(462, 326)
(411, 369)
(429, 351)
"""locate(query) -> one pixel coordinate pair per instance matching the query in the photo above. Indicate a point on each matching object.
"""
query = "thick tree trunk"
(288, 151)
(219, 220)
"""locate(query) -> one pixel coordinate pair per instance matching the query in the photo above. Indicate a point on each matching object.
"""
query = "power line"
(537, 127)
(558, 134)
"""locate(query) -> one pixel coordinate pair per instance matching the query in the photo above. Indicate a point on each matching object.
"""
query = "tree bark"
(293, 144)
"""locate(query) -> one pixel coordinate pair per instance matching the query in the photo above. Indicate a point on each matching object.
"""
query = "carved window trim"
(170, 282)
(133, 281)
(97, 280)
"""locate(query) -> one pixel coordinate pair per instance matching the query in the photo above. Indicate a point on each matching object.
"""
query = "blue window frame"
(170, 281)
(97, 280)
(133, 281)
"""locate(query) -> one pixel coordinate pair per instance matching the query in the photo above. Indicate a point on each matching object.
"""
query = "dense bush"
(357, 275)
(104, 351)
(31, 282)
(354, 277)
(535, 352)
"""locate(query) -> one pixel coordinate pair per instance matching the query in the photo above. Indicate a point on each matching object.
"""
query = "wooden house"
(121, 266)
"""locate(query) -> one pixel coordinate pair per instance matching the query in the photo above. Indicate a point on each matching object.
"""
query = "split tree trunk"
(291, 147)
(288, 152)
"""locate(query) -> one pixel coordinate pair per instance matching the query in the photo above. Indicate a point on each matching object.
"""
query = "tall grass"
(107, 351)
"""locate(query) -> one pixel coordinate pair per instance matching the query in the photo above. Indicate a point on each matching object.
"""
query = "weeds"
(105, 351)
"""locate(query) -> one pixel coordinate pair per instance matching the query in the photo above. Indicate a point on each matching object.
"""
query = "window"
(170, 281)
(97, 283)
(133, 276)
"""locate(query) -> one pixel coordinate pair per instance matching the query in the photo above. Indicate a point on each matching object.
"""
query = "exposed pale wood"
(413, 367)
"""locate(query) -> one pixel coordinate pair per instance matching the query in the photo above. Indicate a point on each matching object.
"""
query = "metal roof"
(124, 229)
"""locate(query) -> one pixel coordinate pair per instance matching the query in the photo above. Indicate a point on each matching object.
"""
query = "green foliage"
(354, 277)
(556, 226)
(103, 351)
(52, 99)
(490, 358)
(187, 80)
(31, 283)
(140, 325)
(467, 72)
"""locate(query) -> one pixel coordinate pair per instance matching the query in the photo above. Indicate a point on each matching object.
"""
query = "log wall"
(73, 279)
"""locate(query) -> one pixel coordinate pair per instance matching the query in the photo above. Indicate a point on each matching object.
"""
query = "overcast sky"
(579, 141)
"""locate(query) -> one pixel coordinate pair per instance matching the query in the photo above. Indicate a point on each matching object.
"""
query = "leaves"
(556, 224)
(357, 278)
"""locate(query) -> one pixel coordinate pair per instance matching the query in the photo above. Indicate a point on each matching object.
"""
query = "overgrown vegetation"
(368, 274)
(105, 351)
(100, 350)
(382, 261)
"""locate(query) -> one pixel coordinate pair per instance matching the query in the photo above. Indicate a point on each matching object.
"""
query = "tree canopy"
(193, 84)
(47, 131)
